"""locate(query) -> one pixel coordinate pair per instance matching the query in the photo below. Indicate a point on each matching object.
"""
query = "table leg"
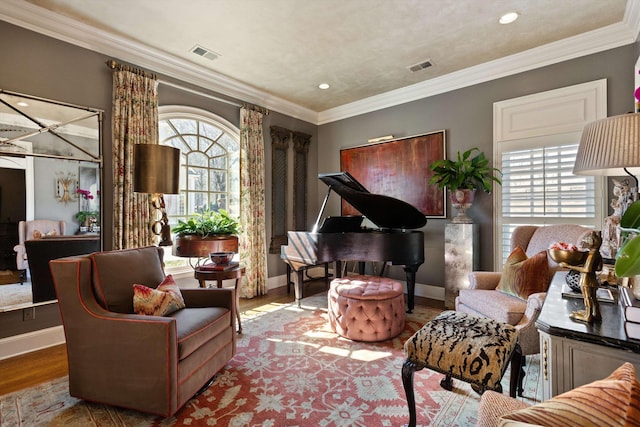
(238, 305)
(203, 283)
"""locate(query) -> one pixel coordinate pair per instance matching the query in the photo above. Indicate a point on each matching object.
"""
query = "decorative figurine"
(611, 230)
(588, 279)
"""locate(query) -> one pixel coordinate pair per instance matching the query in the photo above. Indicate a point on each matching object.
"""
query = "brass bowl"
(221, 258)
(568, 257)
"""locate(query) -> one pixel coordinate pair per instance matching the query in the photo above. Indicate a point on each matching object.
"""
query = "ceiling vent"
(420, 66)
(205, 53)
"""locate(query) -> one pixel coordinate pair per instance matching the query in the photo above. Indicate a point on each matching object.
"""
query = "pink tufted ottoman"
(366, 308)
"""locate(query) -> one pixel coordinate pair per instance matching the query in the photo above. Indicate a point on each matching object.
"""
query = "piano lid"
(383, 211)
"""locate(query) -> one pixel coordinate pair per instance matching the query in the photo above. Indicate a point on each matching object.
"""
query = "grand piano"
(343, 238)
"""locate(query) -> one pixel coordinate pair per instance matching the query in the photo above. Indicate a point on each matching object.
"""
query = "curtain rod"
(113, 65)
(197, 92)
(257, 108)
(253, 107)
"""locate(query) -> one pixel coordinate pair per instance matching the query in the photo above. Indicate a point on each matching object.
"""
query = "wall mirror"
(50, 168)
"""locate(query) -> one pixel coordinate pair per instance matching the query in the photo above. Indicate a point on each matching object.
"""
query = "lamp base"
(161, 227)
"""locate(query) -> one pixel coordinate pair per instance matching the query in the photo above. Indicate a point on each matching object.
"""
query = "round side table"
(203, 274)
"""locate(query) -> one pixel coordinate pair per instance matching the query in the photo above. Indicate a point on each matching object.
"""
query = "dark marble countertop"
(554, 320)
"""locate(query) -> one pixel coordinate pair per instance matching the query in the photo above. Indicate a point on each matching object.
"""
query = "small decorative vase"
(462, 199)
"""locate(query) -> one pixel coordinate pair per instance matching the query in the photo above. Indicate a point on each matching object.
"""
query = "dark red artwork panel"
(399, 168)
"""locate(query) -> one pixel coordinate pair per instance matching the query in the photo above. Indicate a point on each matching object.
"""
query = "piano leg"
(337, 269)
(411, 270)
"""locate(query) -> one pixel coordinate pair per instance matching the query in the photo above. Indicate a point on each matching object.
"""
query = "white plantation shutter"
(535, 141)
(539, 187)
(540, 183)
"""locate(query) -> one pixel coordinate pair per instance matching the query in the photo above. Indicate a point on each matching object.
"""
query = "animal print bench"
(472, 349)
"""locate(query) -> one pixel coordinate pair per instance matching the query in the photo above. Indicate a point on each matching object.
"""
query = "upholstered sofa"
(482, 298)
(153, 364)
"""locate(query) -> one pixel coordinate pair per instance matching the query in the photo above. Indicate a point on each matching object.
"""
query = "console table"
(574, 353)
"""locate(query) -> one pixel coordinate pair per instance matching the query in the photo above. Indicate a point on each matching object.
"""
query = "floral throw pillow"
(162, 301)
(523, 276)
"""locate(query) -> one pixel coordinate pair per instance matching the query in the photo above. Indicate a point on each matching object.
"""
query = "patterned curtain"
(253, 241)
(135, 121)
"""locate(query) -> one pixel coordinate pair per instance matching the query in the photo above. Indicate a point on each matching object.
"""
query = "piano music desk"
(204, 275)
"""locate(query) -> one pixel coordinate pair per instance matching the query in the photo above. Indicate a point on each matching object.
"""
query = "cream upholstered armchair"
(36, 229)
(482, 298)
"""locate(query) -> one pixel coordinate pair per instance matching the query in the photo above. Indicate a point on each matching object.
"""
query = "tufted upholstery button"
(366, 308)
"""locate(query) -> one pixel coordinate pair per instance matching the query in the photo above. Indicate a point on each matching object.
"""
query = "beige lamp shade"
(608, 146)
(156, 169)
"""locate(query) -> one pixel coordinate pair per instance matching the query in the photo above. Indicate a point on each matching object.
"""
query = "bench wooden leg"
(408, 368)
(517, 372)
(447, 383)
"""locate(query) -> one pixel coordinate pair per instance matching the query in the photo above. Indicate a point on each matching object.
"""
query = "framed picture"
(399, 168)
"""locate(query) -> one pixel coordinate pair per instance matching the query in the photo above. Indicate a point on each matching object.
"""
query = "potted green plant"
(88, 220)
(205, 232)
(464, 175)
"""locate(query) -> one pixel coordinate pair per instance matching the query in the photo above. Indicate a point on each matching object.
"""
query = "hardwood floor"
(45, 365)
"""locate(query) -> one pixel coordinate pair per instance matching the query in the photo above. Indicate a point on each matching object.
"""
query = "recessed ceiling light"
(23, 104)
(508, 18)
(324, 86)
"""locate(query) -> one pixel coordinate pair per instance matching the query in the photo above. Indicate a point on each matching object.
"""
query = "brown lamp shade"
(156, 169)
(609, 145)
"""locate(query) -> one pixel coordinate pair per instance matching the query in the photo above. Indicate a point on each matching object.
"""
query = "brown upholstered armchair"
(28, 230)
(482, 299)
(152, 364)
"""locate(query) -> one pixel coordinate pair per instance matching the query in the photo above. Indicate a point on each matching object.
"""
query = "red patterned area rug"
(289, 370)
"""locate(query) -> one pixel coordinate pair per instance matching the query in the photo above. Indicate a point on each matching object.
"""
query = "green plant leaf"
(628, 259)
(466, 172)
(208, 223)
(631, 217)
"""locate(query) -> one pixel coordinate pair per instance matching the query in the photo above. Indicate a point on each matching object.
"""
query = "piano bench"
(366, 308)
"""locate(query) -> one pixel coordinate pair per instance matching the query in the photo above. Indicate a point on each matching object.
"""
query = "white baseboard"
(31, 341)
(422, 290)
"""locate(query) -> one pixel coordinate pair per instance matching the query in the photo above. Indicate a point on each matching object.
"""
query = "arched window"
(209, 163)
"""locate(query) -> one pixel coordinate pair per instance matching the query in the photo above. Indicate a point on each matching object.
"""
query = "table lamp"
(610, 147)
(157, 172)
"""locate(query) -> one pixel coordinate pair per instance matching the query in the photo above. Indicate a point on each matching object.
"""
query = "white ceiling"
(276, 52)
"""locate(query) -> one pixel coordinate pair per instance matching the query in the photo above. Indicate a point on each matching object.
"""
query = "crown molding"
(632, 17)
(54, 25)
(599, 40)
(60, 27)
